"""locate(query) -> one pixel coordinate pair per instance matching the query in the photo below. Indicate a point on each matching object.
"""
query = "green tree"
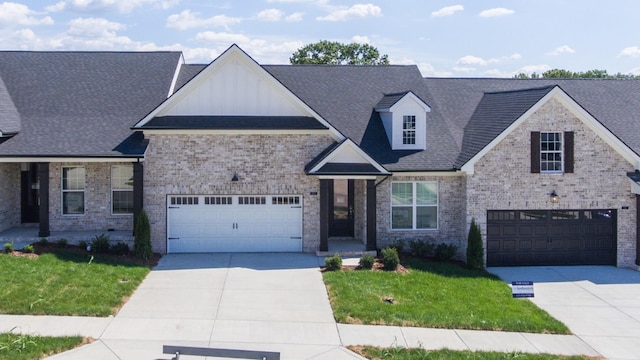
(142, 237)
(567, 74)
(335, 53)
(475, 251)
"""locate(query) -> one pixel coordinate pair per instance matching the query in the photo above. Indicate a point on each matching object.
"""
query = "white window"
(414, 205)
(73, 185)
(551, 152)
(122, 189)
(409, 130)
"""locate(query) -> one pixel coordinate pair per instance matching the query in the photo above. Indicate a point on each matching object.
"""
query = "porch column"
(637, 229)
(324, 214)
(43, 179)
(371, 215)
(138, 191)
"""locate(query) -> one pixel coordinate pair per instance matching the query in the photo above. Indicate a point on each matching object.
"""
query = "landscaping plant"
(390, 259)
(8, 248)
(475, 252)
(366, 262)
(333, 263)
(100, 244)
(446, 252)
(28, 249)
(142, 234)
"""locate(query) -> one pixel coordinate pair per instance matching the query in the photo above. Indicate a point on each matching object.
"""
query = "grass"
(435, 295)
(420, 354)
(66, 282)
(26, 347)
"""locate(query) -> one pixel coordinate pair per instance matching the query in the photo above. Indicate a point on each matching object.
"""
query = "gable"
(345, 158)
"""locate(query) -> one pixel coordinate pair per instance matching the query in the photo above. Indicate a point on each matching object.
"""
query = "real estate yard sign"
(522, 289)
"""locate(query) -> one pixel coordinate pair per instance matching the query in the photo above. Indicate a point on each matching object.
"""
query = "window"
(409, 130)
(414, 205)
(122, 189)
(550, 152)
(73, 184)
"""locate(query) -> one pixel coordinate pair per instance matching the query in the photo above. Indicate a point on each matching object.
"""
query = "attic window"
(409, 130)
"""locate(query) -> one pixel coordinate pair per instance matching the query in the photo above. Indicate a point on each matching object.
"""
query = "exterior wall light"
(235, 177)
(554, 197)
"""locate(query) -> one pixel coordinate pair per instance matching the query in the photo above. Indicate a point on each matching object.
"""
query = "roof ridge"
(548, 87)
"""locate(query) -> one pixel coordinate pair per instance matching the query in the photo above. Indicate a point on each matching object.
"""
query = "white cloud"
(448, 10)
(463, 69)
(122, 6)
(265, 51)
(361, 39)
(188, 20)
(496, 73)
(19, 14)
(564, 49)
(295, 17)
(355, 11)
(496, 12)
(529, 69)
(270, 15)
(478, 61)
(632, 51)
(428, 70)
(635, 71)
(94, 28)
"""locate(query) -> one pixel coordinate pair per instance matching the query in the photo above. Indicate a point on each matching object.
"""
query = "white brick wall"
(503, 181)
(9, 195)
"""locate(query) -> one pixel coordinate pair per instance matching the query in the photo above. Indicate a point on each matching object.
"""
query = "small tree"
(475, 252)
(142, 234)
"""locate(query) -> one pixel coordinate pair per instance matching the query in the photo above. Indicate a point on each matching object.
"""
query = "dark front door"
(551, 237)
(30, 194)
(341, 208)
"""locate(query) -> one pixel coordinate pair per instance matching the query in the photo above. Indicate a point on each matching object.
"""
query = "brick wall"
(204, 164)
(502, 179)
(9, 195)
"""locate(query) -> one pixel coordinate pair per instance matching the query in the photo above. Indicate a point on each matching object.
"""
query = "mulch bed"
(40, 249)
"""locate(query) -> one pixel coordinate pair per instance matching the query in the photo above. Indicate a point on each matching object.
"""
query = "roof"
(82, 103)
(388, 100)
(9, 116)
(235, 122)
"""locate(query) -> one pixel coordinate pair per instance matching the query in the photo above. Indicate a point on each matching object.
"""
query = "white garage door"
(226, 223)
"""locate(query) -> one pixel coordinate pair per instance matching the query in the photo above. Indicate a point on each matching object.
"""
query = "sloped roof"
(82, 103)
(9, 116)
(235, 123)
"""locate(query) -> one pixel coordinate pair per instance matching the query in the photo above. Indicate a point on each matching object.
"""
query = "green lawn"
(436, 295)
(67, 282)
(420, 354)
(25, 347)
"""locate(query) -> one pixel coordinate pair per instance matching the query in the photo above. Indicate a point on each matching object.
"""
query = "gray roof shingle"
(235, 122)
(82, 103)
(9, 116)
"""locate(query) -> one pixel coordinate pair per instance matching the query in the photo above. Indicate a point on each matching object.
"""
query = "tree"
(142, 237)
(335, 53)
(475, 252)
(568, 74)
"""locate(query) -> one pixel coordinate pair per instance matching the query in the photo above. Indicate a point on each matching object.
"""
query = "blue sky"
(458, 38)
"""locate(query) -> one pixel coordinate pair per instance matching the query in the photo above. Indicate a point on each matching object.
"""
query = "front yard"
(66, 281)
(436, 295)
(26, 347)
(421, 354)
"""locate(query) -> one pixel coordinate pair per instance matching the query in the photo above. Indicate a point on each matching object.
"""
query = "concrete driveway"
(600, 304)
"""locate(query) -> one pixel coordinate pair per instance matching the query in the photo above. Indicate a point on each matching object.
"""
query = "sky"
(457, 38)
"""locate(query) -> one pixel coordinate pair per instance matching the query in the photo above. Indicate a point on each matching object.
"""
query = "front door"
(30, 194)
(341, 208)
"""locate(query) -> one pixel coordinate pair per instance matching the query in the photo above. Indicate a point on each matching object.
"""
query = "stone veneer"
(503, 180)
(450, 213)
(204, 164)
(9, 195)
(97, 200)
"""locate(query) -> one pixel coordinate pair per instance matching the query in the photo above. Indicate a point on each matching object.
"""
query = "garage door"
(551, 237)
(225, 223)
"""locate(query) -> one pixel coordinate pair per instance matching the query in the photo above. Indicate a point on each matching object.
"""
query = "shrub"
(62, 242)
(399, 245)
(43, 242)
(100, 244)
(83, 245)
(333, 263)
(475, 252)
(390, 259)
(446, 252)
(8, 248)
(28, 249)
(420, 248)
(366, 262)
(120, 248)
(142, 237)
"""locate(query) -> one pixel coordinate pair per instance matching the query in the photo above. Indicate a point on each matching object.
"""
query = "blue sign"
(522, 289)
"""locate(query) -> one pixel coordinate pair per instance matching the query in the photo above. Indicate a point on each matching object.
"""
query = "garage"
(551, 237)
(233, 223)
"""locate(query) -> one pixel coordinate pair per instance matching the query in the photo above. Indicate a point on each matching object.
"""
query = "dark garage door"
(551, 237)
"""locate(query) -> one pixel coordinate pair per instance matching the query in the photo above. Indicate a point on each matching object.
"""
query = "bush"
(120, 248)
(333, 263)
(62, 242)
(390, 259)
(28, 249)
(399, 245)
(445, 252)
(142, 237)
(366, 262)
(475, 252)
(83, 245)
(8, 248)
(421, 248)
(43, 242)
(100, 244)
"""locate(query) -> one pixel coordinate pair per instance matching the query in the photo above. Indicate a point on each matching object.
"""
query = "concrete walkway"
(268, 302)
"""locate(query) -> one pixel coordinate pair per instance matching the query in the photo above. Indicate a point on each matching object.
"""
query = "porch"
(346, 247)
(20, 236)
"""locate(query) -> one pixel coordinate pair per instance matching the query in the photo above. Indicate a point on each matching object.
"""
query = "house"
(238, 156)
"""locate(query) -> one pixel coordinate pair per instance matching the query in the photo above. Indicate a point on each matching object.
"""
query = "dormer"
(404, 116)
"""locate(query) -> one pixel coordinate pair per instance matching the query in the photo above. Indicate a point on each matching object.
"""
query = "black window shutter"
(568, 152)
(535, 152)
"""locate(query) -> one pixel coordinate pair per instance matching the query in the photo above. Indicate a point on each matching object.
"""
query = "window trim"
(560, 151)
(112, 189)
(414, 206)
(83, 191)
(406, 132)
